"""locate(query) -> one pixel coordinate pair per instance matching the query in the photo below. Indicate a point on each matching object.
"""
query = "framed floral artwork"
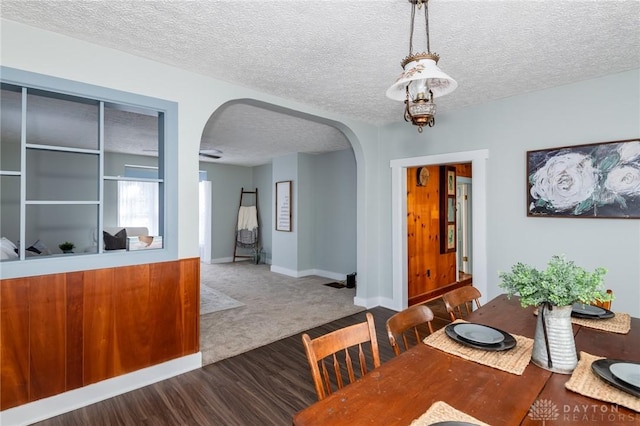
(600, 180)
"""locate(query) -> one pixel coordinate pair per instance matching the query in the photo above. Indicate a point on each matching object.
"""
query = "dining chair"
(405, 322)
(462, 297)
(336, 349)
(606, 305)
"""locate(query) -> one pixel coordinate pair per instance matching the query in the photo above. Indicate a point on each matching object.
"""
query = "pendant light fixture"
(421, 80)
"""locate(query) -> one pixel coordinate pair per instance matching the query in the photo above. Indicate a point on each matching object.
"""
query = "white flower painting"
(597, 180)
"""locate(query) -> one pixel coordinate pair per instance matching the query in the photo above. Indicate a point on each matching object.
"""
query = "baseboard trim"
(326, 274)
(372, 302)
(223, 260)
(58, 404)
(230, 260)
(308, 272)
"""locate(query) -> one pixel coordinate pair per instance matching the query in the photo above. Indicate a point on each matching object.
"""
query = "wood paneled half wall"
(64, 331)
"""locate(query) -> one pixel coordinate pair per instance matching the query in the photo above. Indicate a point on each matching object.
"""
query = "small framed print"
(447, 209)
(451, 237)
(451, 181)
(283, 206)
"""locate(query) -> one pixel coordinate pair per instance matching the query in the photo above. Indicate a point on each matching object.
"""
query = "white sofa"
(132, 231)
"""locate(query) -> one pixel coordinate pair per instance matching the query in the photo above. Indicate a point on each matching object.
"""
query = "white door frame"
(478, 161)
(463, 216)
(204, 225)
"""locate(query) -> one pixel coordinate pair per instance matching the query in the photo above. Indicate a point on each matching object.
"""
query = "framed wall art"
(447, 209)
(283, 206)
(600, 180)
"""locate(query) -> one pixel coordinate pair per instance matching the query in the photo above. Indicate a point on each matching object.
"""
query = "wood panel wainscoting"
(64, 331)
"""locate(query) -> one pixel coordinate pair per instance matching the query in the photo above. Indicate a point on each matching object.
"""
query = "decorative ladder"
(235, 243)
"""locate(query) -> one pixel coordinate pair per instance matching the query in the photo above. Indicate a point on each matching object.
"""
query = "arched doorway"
(241, 131)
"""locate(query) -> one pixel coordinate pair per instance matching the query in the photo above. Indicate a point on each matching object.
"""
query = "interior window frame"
(167, 162)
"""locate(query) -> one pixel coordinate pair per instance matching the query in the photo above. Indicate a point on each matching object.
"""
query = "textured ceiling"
(341, 56)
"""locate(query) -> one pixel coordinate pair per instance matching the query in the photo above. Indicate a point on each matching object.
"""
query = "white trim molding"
(478, 161)
(68, 401)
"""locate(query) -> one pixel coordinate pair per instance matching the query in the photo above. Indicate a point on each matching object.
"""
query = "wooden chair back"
(407, 322)
(606, 305)
(459, 302)
(330, 355)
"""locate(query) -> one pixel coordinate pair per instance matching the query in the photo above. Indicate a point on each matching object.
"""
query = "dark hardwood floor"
(265, 386)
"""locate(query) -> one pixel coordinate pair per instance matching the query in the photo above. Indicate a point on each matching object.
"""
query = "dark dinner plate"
(581, 310)
(478, 333)
(508, 342)
(628, 372)
(602, 369)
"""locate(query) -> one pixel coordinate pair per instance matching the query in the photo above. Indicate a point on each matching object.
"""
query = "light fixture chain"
(419, 3)
(426, 20)
(421, 78)
(413, 19)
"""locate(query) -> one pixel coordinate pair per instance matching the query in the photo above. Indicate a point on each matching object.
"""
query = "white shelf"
(53, 202)
(63, 149)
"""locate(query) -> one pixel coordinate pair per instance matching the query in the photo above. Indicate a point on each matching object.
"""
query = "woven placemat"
(585, 382)
(443, 412)
(512, 361)
(620, 323)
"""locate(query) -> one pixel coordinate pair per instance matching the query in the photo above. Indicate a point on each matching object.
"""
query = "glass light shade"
(422, 108)
(421, 75)
(420, 113)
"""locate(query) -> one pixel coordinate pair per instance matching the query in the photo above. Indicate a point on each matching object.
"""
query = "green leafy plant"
(562, 283)
(66, 246)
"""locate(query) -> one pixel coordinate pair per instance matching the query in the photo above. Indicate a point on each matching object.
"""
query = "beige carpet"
(213, 300)
(275, 306)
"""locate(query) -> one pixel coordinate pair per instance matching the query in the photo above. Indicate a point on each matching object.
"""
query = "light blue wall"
(10, 189)
(262, 177)
(305, 215)
(284, 257)
(334, 207)
(601, 109)
(323, 240)
(226, 183)
(78, 223)
(598, 110)
(49, 176)
(324, 218)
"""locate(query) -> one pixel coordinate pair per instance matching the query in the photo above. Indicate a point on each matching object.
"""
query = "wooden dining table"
(404, 388)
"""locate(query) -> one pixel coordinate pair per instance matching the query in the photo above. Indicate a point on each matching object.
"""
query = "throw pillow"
(115, 242)
(39, 248)
(8, 244)
(7, 249)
